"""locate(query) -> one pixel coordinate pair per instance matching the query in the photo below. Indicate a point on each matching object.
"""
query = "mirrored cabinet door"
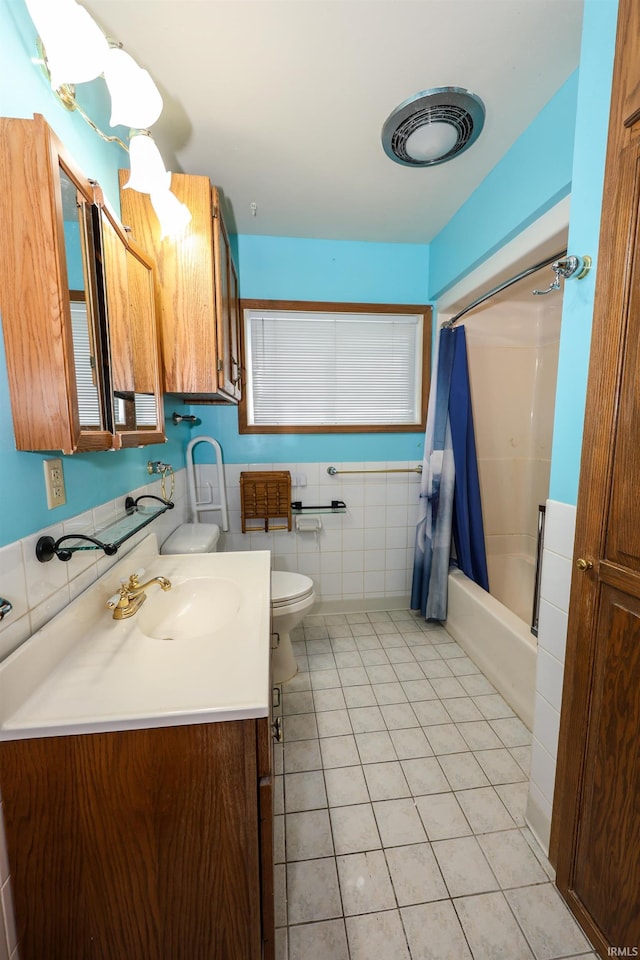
(129, 302)
(46, 251)
(77, 304)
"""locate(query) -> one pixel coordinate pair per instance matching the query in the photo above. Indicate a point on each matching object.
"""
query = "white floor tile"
(381, 932)
(339, 751)
(366, 719)
(463, 771)
(464, 867)
(399, 822)
(415, 874)
(434, 932)
(318, 941)
(546, 921)
(511, 859)
(499, 766)
(333, 723)
(442, 816)
(386, 781)
(484, 810)
(345, 786)
(308, 835)
(410, 743)
(374, 747)
(304, 791)
(312, 891)
(424, 776)
(364, 883)
(490, 929)
(302, 755)
(354, 829)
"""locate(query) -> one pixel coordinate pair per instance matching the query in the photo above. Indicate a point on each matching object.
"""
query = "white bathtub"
(497, 640)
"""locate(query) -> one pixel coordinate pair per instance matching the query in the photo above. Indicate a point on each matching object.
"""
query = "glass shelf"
(108, 539)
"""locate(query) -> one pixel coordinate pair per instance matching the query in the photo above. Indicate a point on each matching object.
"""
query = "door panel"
(607, 870)
(595, 840)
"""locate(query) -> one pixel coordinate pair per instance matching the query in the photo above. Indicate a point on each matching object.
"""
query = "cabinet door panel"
(136, 844)
(46, 251)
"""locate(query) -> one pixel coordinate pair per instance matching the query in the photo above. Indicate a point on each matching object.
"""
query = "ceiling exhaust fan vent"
(433, 126)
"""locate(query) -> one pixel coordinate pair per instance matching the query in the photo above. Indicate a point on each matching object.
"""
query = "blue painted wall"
(91, 479)
(598, 42)
(283, 268)
(534, 174)
(532, 177)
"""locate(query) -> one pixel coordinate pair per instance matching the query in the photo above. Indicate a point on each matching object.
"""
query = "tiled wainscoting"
(400, 796)
(552, 634)
(366, 552)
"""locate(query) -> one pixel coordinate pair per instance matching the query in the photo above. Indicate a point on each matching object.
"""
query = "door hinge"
(220, 366)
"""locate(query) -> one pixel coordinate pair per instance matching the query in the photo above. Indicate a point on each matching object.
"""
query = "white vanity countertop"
(84, 672)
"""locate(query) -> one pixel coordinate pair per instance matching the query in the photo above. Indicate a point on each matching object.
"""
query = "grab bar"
(332, 471)
(536, 589)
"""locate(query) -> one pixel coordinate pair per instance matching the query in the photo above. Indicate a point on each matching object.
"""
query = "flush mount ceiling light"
(433, 126)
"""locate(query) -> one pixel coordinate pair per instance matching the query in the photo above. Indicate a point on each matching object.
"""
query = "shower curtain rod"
(501, 287)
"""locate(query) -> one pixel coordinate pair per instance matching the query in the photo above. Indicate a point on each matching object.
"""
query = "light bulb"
(431, 141)
(173, 215)
(75, 46)
(147, 171)
(135, 99)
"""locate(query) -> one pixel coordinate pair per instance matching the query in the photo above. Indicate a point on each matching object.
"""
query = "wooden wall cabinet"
(151, 843)
(197, 291)
(55, 299)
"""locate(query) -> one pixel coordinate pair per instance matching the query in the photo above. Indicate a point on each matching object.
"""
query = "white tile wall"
(38, 591)
(363, 554)
(552, 631)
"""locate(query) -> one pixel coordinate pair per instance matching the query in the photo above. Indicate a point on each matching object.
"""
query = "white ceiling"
(281, 102)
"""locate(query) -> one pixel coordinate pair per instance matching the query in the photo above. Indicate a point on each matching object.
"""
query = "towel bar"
(332, 471)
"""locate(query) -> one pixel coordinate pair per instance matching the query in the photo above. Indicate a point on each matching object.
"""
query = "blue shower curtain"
(450, 490)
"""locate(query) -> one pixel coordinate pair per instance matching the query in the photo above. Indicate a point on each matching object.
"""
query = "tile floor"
(401, 785)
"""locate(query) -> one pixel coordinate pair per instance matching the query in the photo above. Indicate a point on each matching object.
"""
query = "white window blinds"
(312, 368)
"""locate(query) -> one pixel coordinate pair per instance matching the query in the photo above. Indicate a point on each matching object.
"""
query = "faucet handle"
(113, 601)
(134, 578)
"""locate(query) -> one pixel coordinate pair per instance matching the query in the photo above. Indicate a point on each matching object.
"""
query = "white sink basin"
(192, 610)
(84, 672)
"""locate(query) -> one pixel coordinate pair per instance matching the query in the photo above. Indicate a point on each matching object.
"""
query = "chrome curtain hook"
(566, 267)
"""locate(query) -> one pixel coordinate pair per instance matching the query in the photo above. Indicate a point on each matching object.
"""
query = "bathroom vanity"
(136, 766)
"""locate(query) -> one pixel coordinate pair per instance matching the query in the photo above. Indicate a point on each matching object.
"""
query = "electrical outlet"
(54, 483)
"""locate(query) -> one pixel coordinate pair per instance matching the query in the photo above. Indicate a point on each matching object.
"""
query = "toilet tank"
(193, 538)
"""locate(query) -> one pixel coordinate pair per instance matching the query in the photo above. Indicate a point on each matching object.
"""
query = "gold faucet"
(131, 596)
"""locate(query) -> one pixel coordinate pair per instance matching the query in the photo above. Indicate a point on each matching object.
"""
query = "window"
(334, 367)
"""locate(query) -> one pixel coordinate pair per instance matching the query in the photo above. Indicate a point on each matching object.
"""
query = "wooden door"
(596, 827)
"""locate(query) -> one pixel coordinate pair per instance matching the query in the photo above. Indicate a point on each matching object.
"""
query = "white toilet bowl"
(292, 594)
(292, 597)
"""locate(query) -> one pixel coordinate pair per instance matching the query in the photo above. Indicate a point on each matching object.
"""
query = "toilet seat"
(289, 588)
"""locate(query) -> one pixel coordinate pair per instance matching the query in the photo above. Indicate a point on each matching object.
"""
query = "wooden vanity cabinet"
(197, 290)
(153, 844)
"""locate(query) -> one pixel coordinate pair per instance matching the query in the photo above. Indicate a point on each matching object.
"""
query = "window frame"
(328, 307)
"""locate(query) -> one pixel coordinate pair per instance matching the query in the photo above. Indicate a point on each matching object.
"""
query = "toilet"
(292, 594)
